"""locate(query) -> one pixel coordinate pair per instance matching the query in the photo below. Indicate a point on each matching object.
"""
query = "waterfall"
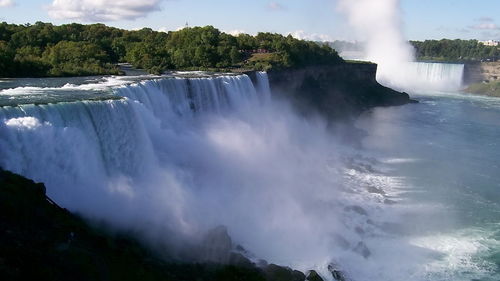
(413, 76)
(171, 158)
(440, 76)
(186, 96)
(73, 145)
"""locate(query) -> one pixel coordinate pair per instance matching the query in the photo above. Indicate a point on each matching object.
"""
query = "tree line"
(455, 50)
(44, 49)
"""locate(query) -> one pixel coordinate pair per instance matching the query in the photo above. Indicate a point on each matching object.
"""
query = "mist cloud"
(379, 23)
(275, 6)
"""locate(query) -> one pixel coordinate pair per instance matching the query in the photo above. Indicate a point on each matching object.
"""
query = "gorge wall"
(337, 92)
(483, 71)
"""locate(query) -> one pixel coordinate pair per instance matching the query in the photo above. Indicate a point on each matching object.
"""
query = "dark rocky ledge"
(337, 92)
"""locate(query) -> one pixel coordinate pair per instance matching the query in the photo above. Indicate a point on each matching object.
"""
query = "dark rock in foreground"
(312, 275)
(279, 273)
(41, 241)
(336, 274)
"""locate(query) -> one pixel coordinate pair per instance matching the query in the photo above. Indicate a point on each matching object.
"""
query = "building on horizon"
(492, 43)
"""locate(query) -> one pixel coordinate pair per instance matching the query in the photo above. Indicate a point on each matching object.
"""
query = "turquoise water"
(447, 150)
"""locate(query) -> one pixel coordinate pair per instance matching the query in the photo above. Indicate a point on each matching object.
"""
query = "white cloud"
(486, 26)
(167, 29)
(275, 6)
(236, 32)
(101, 10)
(6, 3)
(301, 34)
(164, 29)
(485, 19)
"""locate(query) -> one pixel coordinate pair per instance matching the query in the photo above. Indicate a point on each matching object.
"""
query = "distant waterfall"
(439, 76)
(411, 76)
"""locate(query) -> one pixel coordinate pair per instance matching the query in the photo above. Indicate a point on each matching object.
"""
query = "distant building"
(492, 43)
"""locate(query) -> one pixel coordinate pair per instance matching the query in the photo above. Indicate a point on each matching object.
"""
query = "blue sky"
(312, 19)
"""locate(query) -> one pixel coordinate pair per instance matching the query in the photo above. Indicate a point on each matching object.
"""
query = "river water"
(447, 149)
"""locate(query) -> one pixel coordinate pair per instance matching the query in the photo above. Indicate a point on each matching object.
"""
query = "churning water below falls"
(176, 156)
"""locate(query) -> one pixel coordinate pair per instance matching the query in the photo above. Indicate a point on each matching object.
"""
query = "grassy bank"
(485, 88)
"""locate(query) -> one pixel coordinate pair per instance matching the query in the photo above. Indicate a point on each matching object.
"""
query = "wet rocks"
(336, 274)
(341, 241)
(357, 209)
(362, 249)
(312, 275)
(216, 246)
(279, 273)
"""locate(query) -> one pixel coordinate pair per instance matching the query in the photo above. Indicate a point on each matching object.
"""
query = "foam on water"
(457, 256)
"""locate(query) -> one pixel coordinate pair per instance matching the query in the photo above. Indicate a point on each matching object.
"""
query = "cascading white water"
(417, 76)
(437, 76)
(178, 156)
(84, 148)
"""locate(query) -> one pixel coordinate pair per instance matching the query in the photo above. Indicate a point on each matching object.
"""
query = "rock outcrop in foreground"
(41, 241)
(337, 92)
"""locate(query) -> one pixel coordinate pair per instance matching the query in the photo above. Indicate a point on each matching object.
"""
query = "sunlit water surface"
(447, 149)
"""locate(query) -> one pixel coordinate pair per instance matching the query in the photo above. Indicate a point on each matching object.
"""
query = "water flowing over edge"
(424, 76)
(179, 156)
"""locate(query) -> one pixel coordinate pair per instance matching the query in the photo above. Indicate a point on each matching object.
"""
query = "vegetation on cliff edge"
(44, 49)
(444, 50)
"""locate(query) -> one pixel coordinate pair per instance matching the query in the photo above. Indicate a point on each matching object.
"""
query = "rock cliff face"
(337, 92)
(481, 72)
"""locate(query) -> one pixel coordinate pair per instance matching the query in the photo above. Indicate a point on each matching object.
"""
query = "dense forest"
(444, 50)
(455, 50)
(44, 49)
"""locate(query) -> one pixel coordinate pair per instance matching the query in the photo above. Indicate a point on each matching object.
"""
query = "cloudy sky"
(310, 19)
